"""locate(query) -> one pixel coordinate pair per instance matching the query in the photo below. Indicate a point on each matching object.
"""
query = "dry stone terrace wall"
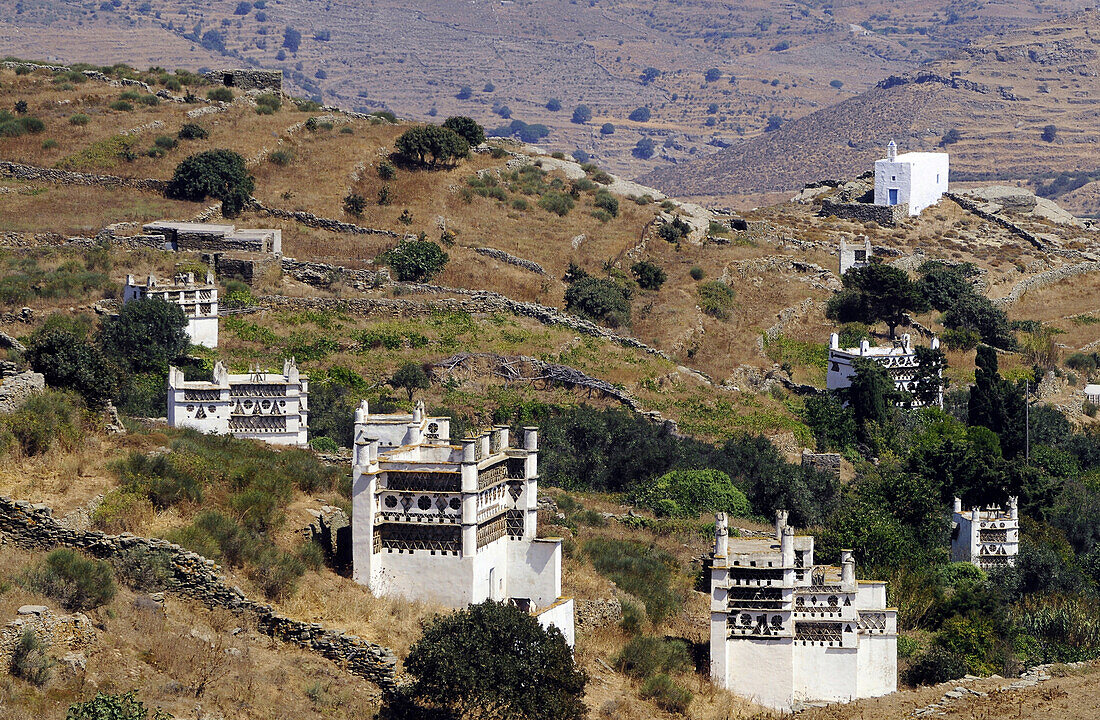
(973, 207)
(885, 215)
(33, 526)
(512, 260)
(322, 223)
(65, 177)
(1046, 278)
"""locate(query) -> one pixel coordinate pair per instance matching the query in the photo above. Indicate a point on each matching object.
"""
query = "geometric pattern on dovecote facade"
(786, 633)
(899, 359)
(452, 523)
(986, 537)
(199, 302)
(272, 407)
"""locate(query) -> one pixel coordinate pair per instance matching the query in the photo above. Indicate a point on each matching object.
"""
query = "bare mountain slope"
(783, 60)
(998, 94)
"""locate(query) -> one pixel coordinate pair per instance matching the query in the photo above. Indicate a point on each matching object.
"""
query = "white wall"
(534, 570)
(825, 674)
(203, 331)
(877, 672)
(559, 615)
(921, 179)
(762, 671)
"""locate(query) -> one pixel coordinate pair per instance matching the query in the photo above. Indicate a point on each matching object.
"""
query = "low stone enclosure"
(247, 79)
(32, 526)
(885, 215)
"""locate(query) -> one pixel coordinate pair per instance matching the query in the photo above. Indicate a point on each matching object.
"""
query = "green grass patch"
(102, 154)
(797, 353)
(644, 571)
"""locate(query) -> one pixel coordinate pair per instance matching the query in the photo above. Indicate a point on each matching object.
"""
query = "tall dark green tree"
(996, 403)
(431, 145)
(146, 335)
(875, 293)
(871, 396)
(928, 380)
(493, 662)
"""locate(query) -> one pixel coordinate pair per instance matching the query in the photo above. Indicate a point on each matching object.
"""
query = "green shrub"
(45, 419)
(907, 646)
(558, 203)
(696, 273)
(282, 158)
(686, 493)
(964, 339)
(386, 170)
(144, 569)
(607, 201)
(599, 299)
(354, 204)
(148, 99)
(633, 618)
(519, 204)
(650, 276)
(268, 103)
(75, 581)
(113, 707)
(50, 144)
(644, 571)
(222, 94)
(935, 666)
(602, 215)
(15, 127)
(192, 131)
(30, 660)
(415, 260)
(121, 105)
(79, 119)
(667, 694)
(165, 143)
(645, 656)
(324, 444)
(716, 299)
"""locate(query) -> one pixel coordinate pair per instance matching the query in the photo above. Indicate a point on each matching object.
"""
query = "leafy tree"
(431, 145)
(686, 493)
(467, 128)
(220, 174)
(192, 131)
(410, 377)
(774, 123)
(641, 114)
(553, 105)
(599, 299)
(607, 129)
(581, 114)
(494, 662)
(942, 285)
(146, 335)
(292, 39)
(465, 92)
(416, 260)
(649, 75)
(874, 293)
(832, 422)
(712, 75)
(975, 312)
(650, 276)
(836, 84)
(66, 357)
(1050, 132)
(950, 137)
(644, 149)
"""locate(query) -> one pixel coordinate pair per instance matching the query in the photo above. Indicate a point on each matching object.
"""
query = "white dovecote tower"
(452, 522)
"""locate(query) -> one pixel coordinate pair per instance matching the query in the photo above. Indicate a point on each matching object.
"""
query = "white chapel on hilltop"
(452, 522)
(916, 179)
(785, 632)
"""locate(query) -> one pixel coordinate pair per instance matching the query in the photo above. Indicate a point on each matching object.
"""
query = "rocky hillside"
(513, 57)
(997, 96)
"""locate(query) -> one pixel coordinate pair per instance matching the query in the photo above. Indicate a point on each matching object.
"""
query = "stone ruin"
(247, 79)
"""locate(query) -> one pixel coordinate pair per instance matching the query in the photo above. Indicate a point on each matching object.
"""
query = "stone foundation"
(885, 215)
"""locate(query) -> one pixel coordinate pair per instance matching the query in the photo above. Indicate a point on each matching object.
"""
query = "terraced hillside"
(998, 95)
(514, 57)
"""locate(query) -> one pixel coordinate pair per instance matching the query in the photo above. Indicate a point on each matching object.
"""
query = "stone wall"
(592, 614)
(512, 260)
(311, 220)
(71, 632)
(885, 215)
(65, 177)
(828, 463)
(972, 206)
(16, 389)
(1046, 278)
(33, 526)
(323, 275)
(251, 268)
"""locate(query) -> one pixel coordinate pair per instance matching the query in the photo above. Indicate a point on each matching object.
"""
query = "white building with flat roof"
(452, 522)
(916, 179)
(786, 633)
(856, 255)
(987, 537)
(899, 359)
(198, 300)
(272, 407)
